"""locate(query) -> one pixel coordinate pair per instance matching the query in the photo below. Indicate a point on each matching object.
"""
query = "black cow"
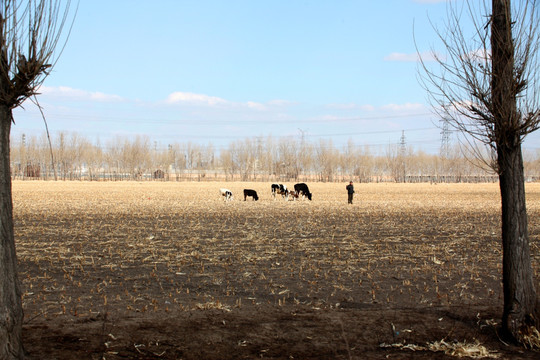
(302, 189)
(279, 189)
(252, 193)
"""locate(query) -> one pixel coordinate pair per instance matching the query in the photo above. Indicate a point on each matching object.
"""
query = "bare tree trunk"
(518, 284)
(11, 313)
(519, 312)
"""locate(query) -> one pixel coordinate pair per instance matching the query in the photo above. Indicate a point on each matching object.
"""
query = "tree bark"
(11, 313)
(519, 313)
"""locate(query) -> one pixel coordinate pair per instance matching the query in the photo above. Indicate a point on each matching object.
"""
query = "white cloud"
(188, 98)
(404, 107)
(77, 94)
(367, 107)
(479, 55)
(194, 99)
(414, 57)
(255, 105)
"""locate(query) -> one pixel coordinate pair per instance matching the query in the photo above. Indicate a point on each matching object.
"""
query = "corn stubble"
(94, 248)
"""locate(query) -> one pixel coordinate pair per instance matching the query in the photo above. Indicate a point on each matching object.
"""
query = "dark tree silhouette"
(488, 88)
(30, 31)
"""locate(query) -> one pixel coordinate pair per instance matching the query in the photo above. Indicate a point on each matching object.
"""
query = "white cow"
(226, 193)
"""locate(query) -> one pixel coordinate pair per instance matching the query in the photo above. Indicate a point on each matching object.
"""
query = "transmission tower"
(403, 144)
(402, 153)
(445, 139)
(302, 138)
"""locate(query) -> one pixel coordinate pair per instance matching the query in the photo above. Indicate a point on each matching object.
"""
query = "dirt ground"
(171, 271)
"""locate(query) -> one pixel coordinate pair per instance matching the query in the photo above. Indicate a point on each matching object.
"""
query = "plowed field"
(165, 270)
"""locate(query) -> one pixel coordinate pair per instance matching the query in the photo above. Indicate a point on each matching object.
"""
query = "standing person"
(350, 191)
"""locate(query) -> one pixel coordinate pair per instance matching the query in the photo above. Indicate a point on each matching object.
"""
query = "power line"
(189, 121)
(374, 132)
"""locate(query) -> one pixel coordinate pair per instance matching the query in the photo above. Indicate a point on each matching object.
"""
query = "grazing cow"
(293, 194)
(227, 194)
(279, 189)
(275, 189)
(302, 189)
(252, 193)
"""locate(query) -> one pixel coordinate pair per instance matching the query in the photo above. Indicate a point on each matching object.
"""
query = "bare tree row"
(73, 157)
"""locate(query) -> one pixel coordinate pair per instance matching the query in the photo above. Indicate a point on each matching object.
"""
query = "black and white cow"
(226, 193)
(279, 189)
(252, 193)
(302, 189)
(275, 189)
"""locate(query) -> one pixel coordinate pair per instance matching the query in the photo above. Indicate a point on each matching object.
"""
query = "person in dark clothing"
(350, 191)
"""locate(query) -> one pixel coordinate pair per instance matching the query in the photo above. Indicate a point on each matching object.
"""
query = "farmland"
(169, 270)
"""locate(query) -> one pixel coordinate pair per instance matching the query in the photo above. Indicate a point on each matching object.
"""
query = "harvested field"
(163, 270)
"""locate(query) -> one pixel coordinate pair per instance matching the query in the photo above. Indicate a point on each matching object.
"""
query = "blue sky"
(217, 71)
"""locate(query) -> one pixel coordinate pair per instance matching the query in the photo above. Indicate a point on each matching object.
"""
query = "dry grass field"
(164, 270)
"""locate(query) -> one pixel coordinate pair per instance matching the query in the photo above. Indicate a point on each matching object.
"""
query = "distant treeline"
(73, 157)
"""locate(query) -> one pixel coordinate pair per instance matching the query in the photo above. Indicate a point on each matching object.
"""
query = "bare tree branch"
(459, 84)
(30, 32)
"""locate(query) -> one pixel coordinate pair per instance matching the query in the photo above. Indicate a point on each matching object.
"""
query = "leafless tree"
(245, 153)
(397, 162)
(249, 159)
(136, 156)
(30, 31)
(327, 160)
(489, 89)
(287, 158)
(267, 157)
(93, 157)
(227, 163)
